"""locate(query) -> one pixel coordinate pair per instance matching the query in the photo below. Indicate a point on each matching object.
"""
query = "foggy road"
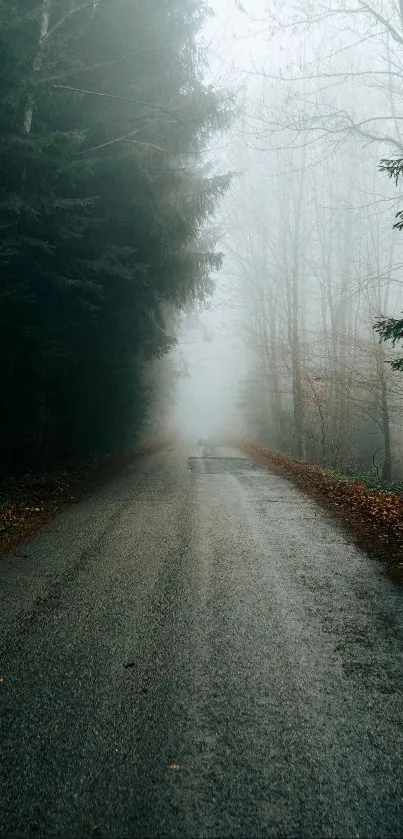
(197, 650)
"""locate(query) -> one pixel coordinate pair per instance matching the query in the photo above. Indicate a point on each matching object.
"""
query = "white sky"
(205, 404)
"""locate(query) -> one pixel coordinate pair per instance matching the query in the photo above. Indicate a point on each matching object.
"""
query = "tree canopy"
(105, 114)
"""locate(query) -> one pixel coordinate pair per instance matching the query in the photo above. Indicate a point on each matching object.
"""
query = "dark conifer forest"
(105, 114)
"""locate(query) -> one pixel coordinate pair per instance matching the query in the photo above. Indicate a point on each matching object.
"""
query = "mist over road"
(199, 651)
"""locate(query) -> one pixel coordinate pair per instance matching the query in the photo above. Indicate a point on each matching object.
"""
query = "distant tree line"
(104, 116)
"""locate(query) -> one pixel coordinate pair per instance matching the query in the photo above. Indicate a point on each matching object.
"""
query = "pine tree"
(102, 202)
(388, 328)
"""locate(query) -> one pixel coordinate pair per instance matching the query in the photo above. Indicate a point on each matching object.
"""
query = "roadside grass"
(28, 502)
(372, 512)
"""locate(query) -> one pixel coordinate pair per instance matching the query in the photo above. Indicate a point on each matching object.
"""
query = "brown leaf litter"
(374, 517)
(30, 501)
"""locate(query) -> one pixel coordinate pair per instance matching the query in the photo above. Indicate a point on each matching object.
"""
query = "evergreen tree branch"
(121, 99)
(67, 16)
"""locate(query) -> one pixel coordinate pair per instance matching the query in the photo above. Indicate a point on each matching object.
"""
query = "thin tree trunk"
(386, 474)
(297, 389)
(277, 401)
(387, 463)
(43, 32)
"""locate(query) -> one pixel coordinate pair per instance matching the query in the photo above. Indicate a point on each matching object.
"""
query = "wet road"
(198, 651)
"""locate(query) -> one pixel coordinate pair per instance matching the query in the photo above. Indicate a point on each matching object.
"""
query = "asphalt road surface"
(199, 651)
